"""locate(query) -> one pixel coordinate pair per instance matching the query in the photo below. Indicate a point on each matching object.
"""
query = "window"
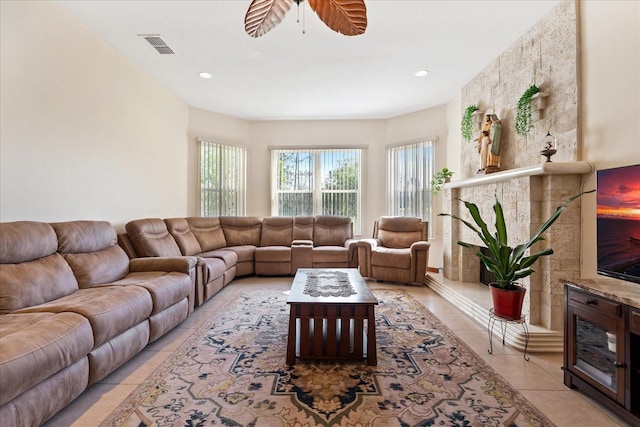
(222, 179)
(317, 182)
(409, 171)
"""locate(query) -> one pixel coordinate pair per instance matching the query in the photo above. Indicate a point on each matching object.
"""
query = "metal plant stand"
(503, 327)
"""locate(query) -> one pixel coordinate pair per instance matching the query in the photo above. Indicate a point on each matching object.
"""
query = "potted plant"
(509, 264)
(439, 178)
(524, 122)
(466, 126)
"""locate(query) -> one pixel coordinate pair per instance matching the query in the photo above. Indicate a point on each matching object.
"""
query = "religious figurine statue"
(489, 145)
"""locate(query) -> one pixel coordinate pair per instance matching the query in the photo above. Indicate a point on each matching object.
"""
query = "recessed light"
(421, 73)
(206, 75)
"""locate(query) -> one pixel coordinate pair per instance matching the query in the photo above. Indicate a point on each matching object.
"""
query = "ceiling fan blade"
(348, 17)
(263, 15)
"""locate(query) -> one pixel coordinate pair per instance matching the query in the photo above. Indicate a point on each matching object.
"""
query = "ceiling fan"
(348, 17)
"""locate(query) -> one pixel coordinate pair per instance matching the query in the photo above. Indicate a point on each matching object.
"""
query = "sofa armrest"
(419, 260)
(420, 246)
(365, 246)
(369, 243)
(302, 242)
(350, 243)
(352, 248)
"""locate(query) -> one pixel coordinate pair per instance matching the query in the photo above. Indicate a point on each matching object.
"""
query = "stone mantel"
(529, 195)
(547, 168)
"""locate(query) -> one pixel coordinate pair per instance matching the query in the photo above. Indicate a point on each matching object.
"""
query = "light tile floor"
(540, 380)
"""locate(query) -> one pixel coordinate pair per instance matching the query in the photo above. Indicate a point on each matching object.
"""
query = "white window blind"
(409, 171)
(317, 182)
(222, 179)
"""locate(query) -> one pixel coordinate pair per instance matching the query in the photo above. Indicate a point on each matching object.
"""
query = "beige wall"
(610, 32)
(85, 134)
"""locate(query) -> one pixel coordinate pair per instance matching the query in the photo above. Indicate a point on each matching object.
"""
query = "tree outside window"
(318, 182)
(409, 170)
(222, 179)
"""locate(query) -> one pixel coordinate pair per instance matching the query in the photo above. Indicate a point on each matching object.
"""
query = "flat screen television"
(618, 222)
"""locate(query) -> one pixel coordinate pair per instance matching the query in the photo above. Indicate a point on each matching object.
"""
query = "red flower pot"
(507, 303)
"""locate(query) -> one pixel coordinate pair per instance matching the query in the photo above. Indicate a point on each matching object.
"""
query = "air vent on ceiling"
(157, 43)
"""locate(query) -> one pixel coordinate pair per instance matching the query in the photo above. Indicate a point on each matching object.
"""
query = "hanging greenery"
(524, 122)
(466, 126)
(439, 178)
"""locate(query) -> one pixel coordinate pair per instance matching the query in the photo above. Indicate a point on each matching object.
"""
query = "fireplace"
(528, 196)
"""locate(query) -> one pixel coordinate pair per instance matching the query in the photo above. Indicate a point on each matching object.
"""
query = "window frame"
(317, 191)
(426, 169)
(229, 154)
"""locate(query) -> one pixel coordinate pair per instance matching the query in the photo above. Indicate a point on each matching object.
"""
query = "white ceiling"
(321, 74)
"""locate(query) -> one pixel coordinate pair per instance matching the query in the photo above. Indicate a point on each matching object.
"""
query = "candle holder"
(549, 146)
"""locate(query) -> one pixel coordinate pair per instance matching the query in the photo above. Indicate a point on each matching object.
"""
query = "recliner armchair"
(398, 252)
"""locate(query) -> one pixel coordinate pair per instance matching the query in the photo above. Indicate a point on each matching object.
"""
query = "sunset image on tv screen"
(618, 234)
(619, 193)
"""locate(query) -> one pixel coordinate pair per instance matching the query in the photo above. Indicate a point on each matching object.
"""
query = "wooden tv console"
(602, 343)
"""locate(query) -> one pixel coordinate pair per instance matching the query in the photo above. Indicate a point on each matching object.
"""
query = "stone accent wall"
(546, 55)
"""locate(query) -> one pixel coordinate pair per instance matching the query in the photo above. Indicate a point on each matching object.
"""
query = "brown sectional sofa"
(78, 300)
(227, 247)
(73, 308)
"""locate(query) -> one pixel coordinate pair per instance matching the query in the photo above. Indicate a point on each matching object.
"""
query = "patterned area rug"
(231, 372)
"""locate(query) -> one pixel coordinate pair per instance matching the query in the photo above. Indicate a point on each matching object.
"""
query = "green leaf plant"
(524, 121)
(509, 264)
(438, 180)
(466, 126)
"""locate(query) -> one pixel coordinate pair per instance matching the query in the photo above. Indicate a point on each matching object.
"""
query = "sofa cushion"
(166, 289)
(31, 272)
(110, 310)
(302, 228)
(99, 267)
(35, 282)
(150, 237)
(399, 232)
(245, 253)
(208, 232)
(330, 254)
(91, 249)
(277, 231)
(51, 396)
(184, 237)
(273, 254)
(28, 356)
(331, 230)
(215, 268)
(22, 241)
(241, 230)
(229, 257)
(391, 257)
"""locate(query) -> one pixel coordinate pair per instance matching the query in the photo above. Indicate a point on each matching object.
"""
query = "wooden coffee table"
(329, 310)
